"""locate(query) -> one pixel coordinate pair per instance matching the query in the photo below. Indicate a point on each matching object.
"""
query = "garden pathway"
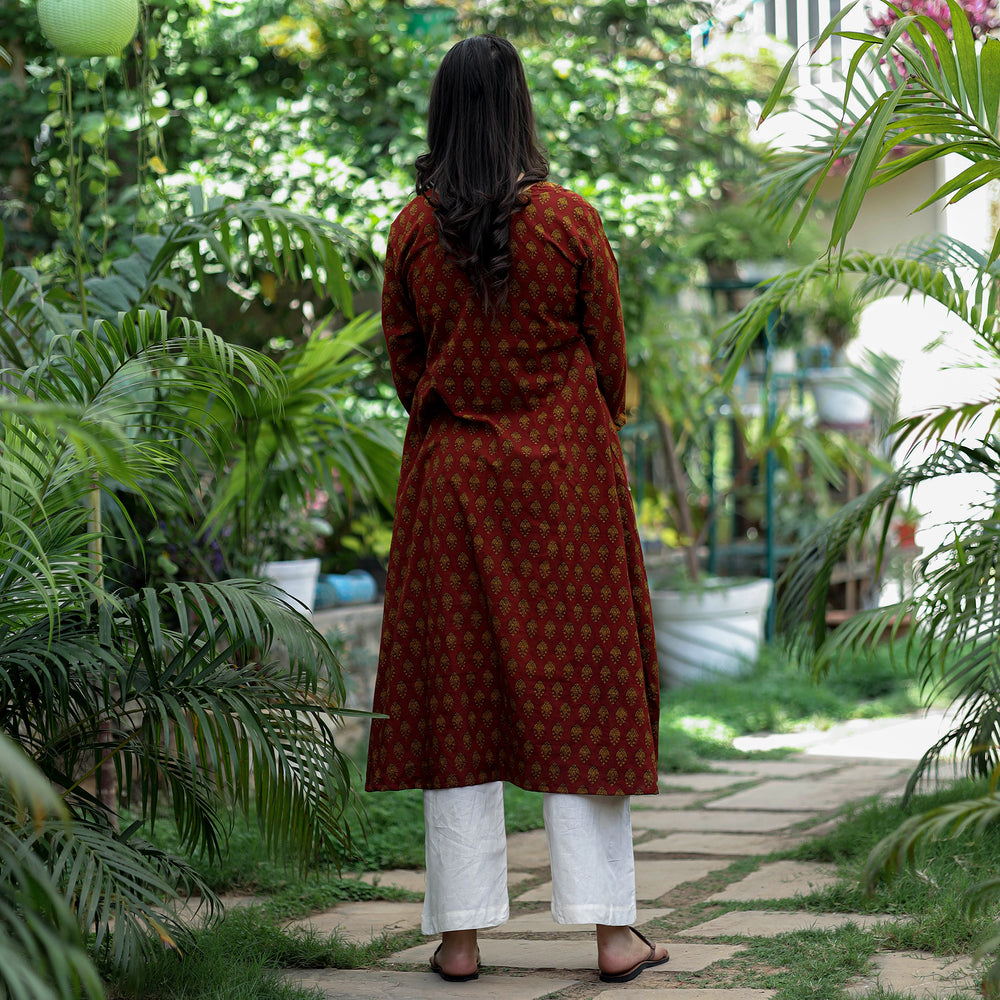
(705, 837)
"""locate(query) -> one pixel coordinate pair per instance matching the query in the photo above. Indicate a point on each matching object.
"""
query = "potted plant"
(704, 624)
(725, 234)
(833, 310)
(288, 543)
(314, 452)
(737, 243)
(717, 460)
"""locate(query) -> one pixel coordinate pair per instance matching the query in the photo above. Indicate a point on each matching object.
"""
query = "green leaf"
(942, 47)
(965, 49)
(778, 90)
(870, 153)
(989, 63)
(832, 25)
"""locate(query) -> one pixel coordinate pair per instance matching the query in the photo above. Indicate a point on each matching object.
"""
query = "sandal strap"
(645, 940)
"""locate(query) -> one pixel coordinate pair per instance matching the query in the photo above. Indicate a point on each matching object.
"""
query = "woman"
(517, 642)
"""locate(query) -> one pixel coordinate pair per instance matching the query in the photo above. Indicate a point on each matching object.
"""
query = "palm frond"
(900, 847)
(889, 121)
(223, 722)
(41, 948)
(116, 880)
(234, 237)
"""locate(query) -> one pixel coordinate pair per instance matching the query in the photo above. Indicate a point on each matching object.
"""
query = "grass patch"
(933, 891)
(806, 965)
(698, 722)
(241, 958)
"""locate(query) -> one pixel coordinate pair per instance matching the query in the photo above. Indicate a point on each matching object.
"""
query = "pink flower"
(982, 15)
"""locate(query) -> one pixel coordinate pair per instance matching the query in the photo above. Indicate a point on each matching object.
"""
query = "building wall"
(887, 218)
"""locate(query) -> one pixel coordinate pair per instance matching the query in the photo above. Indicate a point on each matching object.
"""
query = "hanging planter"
(89, 27)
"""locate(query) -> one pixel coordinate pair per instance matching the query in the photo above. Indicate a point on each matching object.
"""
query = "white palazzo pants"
(590, 852)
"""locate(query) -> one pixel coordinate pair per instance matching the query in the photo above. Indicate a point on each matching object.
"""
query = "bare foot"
(457, 956)
(621, 949)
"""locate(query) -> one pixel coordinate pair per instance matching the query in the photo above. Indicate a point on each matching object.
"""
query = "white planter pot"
(839, 399)
(784, 361)
(296, 579)
(715, 630)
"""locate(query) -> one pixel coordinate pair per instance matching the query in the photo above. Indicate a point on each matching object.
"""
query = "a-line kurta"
(517, 642)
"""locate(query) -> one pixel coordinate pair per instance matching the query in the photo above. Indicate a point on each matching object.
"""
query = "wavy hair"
(482, 152)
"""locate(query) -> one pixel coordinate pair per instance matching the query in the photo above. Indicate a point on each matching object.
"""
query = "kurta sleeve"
(603, 326)
(403, 336)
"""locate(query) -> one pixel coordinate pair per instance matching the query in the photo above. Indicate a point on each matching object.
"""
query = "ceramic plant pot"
(714, 630)
(89, 27)
(296, 579)
(839, 399)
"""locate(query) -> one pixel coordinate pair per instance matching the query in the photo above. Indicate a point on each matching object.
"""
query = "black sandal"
(447, 976)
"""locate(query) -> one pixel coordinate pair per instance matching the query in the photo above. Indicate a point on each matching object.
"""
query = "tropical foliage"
(175, 694)
(136, 693)
(320, 107)
(944, 102)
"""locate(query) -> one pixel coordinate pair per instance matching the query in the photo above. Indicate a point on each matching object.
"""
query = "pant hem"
(463, 920)
(619, 917)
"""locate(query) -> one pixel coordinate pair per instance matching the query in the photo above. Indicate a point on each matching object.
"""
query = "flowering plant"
(982, 15)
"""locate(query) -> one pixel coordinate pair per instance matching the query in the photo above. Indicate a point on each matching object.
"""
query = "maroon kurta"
(517, 642)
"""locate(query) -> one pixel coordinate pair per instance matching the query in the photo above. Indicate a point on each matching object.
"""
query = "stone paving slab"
(345, 984)
(899, 738)
(542, 923)
(361, 922)
(719, 820)
(779, 880)
(412, 879)
(528, 850)
(665, 800)
(652, 878)
(701, 781)
(637, 993)
(415, 879)
(770, 923)
(918, 975)
(781, 768)
(515, 953)
(819, 794)
(719, 843)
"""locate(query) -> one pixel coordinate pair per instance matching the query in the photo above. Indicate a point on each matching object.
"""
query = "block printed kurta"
(517, 642)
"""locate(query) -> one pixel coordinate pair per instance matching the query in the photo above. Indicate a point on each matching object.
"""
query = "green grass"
(806, 965)
(933, 891)
(241, 958)
(699, 722)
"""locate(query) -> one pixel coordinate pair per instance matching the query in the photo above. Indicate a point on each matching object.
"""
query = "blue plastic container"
(355, 587)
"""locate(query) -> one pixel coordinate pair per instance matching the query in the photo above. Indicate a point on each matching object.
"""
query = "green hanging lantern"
(89, 27)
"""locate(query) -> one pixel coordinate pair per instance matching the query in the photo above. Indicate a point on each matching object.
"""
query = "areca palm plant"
(914, 96)
(181, 692)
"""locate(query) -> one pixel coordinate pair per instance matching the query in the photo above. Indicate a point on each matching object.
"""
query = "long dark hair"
(482, 152)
